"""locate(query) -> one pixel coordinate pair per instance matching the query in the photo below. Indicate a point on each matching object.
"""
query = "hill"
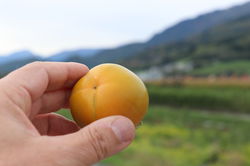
(224, 43)
(17, 59)
(190, 27)
(177, 33)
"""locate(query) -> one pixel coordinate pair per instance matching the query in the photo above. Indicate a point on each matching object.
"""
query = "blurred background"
(194, 57)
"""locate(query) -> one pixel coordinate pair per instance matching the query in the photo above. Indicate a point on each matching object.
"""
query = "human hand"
(30, 134)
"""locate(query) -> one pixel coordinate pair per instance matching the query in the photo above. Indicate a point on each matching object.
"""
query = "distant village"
(160, 72)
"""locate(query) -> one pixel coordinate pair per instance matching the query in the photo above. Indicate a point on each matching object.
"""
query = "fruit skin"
(108, 89)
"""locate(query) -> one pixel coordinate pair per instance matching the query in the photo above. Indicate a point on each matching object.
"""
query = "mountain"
(179, 32)
(15, 60)
(66, 55)
(190, 27)
(20, 55)
(117, 54)
(225, 43)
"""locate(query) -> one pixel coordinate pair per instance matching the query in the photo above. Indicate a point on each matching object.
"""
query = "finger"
(53, 124)
(50, 102)
(28, 83)
(39, 77)
(98, 140)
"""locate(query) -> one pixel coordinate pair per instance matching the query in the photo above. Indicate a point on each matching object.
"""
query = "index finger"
(39, 77)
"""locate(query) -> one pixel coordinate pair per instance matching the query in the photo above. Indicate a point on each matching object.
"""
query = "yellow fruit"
(108, 89)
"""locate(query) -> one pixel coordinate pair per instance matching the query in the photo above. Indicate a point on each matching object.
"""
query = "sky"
(49, 26)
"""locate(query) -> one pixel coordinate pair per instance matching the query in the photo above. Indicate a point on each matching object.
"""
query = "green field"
(225, 68)
(181, 137)
(190, 126)
(213, 98)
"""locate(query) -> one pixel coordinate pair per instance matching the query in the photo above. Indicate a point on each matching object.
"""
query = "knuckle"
(98, 143)
(72, 63)
(35, 64)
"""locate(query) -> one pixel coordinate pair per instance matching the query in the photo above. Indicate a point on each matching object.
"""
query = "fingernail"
(124, 129)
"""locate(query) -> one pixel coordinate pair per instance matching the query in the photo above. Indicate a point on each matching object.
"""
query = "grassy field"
(181, 137)
(191, 125)
(213, 98)
(235, 67)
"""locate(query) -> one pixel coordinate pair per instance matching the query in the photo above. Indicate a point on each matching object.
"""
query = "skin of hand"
(31, 134)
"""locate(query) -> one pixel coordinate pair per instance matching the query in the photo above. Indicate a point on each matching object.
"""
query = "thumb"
(99, 140)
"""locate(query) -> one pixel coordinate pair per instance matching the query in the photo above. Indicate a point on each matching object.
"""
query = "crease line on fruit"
(94, 103)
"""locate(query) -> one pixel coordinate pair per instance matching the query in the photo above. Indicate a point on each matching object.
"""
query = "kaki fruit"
(106, 90)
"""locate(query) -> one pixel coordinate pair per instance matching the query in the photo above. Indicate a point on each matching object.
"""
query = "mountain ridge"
(227, 42)
(188, 27)
(178, 32)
